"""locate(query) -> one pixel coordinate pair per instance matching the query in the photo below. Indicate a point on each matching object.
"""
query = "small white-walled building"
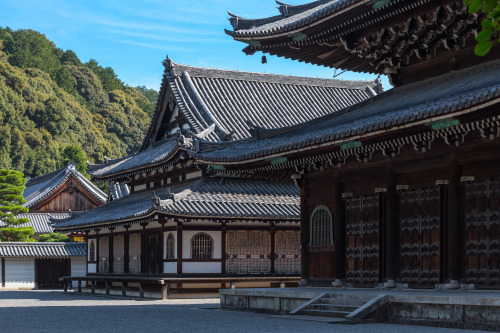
(40, 265)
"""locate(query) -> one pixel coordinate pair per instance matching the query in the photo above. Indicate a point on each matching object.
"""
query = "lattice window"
(362, 230)
(287, 252)
(420, 235)
(202, 246)
(170, 246)
(483, 232)
(248, 252)
(92, 250)
(321, 226)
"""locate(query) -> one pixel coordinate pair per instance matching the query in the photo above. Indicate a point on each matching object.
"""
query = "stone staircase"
(348, 306)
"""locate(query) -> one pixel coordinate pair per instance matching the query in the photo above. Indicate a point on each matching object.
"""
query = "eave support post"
(179, 248)
(126, 250)
(3, 272)
(338, 232)
(223, 250)
(98, 258)
(304, 233)
(273, 249)
(111, 247)
(390, 246)
(453, 250)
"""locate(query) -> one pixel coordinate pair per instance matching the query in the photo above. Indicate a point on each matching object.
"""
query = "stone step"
(325, 313)
(335, 307)
(353, 302)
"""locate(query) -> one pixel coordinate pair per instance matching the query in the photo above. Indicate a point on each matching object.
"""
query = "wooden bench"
(165, 282)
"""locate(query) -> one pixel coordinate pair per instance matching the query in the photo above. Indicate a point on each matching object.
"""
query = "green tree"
(54, 237)
(74, 154)
(490, 24)
(12, 185)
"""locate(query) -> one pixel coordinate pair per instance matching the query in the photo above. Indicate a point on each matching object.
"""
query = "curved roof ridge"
(195, 71)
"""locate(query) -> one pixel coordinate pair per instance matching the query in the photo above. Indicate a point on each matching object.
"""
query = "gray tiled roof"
(413, 102)
(39, 221)
(291, 18)
(41, 187)
(231, 99)
(42, 250)
(149, 157)
(217, 197)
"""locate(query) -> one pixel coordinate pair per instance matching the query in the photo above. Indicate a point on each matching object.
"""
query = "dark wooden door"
(483, 232)
(322, 262)
(153, 253)
(48, 272)
(362, 216)
(421, 236)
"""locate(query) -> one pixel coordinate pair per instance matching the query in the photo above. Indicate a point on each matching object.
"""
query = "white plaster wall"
(92, 268)
(165, 236)
(186, 243)
(19, 273)
(170, 267)
(201, 267)
(78, 267)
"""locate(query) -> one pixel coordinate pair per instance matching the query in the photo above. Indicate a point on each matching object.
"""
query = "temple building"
(402, 188)
(56, 194)
(171, 216)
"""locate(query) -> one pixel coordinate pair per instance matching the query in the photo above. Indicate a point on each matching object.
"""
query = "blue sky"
(133, 37)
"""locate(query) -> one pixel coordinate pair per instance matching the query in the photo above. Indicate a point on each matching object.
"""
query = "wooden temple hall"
(170, 216)
(402, 188)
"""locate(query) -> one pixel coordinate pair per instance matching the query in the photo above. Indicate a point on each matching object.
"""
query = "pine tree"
(12, 185)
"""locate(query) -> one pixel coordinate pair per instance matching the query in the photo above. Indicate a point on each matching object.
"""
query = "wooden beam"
(273, 249)
(3, 272)
(179, 248)
(338, 229)
(223, 249)
(304, 231)
(390, 247)
(453, 227)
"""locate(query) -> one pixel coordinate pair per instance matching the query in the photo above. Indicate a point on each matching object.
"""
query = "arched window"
(202, 246)
(321, 226)
(92, 250)
(170, 246)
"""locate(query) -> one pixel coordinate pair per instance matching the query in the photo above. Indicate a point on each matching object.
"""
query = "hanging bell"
(264, 59)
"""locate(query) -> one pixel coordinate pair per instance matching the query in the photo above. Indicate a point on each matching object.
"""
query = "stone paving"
(45, 311)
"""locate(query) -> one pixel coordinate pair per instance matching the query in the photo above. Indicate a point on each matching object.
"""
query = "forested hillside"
(49, 99)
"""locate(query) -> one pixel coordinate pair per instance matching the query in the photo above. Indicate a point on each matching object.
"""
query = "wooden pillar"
(124, 288)
(106, 283)
(390, 247)
(304, 232)
(110, 256)
(339, 231)
(79, 286)
(163, 245)
(3, 272)
(88, 253)
(223, 249)
(126, 250)
(164, 291)
(273, 249)
(179, 248)
(144, 257)
(97, 264)
(453, 224)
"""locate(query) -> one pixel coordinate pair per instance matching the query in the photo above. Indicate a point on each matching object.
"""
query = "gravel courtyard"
(45, 311)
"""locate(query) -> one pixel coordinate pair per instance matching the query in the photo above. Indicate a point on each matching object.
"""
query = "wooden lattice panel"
(118, 254)
(287, 252)
(135, 253)
(420, 235)
(482, 223)
(104, 254)
(248, 252)
(362, 246)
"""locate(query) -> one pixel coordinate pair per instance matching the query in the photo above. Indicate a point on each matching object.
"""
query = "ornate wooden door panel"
(362, 245)
(153, 250)
(48, 272)
(248, 252)
(104, 254)
(135, 253)
(287, 252)
(420, 236)
(118, 254)
(482, 223)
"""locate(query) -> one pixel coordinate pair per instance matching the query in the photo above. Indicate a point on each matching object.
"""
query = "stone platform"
(475, 310)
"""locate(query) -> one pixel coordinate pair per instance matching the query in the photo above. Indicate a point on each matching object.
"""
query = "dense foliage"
(50, 100)
(11, 201)
(490, 25)
(54, 237)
